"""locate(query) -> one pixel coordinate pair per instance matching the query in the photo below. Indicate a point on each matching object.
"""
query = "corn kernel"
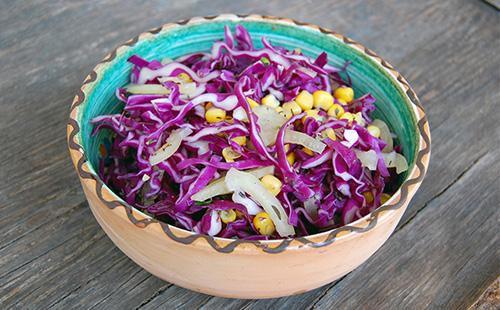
(336, 110)
(347, 116)
(286, 113)
(241, 140)
(341, 101)
(270, 101)
(322, 100)
(293, 107)
(252, 102)
(272, 184)
(374, 130)
(384, 198)
(305, 100)
(229, 154)
(330, 133)
(344, 93)
(286, 148)
(228, 216)
(185, 77)
(308, 151)
(263, 224)
(214, 115)
(208, 105)
(311, 113)
(368, 197)
(291, 158)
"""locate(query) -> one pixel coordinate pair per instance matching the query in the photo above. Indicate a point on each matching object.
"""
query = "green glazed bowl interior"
(367, 77)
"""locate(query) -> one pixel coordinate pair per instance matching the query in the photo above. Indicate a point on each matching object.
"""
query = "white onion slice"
(171, 145)
(369, 159)
(242, 181)
(269, 122)
(240, 114)
(297, 137)
(147, 89)
(385, 134)
(218, 187)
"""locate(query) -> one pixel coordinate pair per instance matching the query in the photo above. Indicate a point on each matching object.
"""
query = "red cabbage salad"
(250, 143)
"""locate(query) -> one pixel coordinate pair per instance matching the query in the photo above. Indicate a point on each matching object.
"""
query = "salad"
(246, 142)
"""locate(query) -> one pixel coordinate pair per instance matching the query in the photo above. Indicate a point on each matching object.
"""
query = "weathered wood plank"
(54, 253)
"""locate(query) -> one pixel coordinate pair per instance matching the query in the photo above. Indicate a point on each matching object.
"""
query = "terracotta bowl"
(236, 268)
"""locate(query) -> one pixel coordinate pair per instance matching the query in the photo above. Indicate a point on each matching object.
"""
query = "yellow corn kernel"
(239, 214)
(263, 224)
(305, 100)
(358, 117)
(214, 115)
(271, 183)
(270, 101)
(308, 151)
(228, 216)
(384, 198)
(185, 77)
(252, 102)
(322, 100)
(336, 110)
(286, 113)
(330, 133)
(241, 140)
(286, 148)
(208, 105)
(293, 107)
(347, 116)
(342, 101)
(368, 197)
(311, 113)
(345, 93)
(229, 154)
(291, 158)
(374, 130)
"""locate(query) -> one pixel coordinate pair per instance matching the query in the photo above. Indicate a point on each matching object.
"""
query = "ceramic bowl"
(237, 268)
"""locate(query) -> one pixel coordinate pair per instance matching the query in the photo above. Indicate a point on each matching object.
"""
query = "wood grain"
(444, 253)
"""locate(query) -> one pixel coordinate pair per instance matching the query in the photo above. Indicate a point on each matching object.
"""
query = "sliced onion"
(369, 159)
(242, 181)
(385, 134)
(218, 187)
(240, 114)
(171, 145)
(147, 89)
(269, 122)
(297, 137)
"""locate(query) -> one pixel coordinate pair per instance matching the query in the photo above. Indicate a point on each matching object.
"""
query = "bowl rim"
(226, 245)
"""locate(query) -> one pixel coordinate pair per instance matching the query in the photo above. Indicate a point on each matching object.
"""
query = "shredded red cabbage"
(166, 105)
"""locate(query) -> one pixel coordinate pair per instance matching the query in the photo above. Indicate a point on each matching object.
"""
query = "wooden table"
(444, 253)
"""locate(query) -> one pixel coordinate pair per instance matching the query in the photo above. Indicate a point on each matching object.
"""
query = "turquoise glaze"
(367, 76)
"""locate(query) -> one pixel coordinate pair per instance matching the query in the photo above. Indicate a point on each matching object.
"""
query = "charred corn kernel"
(214, 115)
(345, 93)
(358, 117)
(384, 198)
(270, 101)
(342, 101)
(311, 113)
(293, 107)
(271, 183)
(185, 77)
(241, 140)
(373, 130)
(305, 100)
(368, 197)
(208, 105)
(347, 116)
(229, 154)
(291, 158)
(330, 133)
(336, 110)
(322, 100)
(263, 224)
(228, 216)
(308, 151)
(252, 103)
